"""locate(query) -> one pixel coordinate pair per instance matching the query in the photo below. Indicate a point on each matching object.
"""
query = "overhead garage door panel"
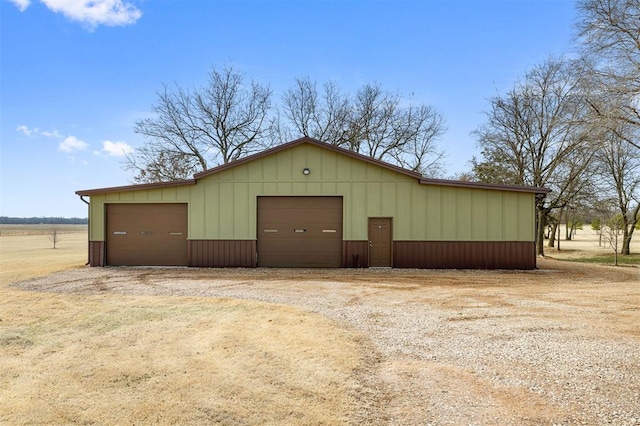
(300, 231)
(147, 234)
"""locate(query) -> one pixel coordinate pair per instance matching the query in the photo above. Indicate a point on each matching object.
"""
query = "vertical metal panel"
(464, 255)
(373, 206)
(284, 162)
(463, 212)
(434, 214)
(345, 169)
(479, 226)
(329, 165)
(389, 197)
(526, 217)
(197, 210)
(418, 208)
(222, 253)
(355, 254)
(357, 213)
(495, 215)
(510, 217)
(227, 212)
(448, 223)
(96, 253)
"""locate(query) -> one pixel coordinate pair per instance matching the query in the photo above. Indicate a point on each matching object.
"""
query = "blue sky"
(73, 80)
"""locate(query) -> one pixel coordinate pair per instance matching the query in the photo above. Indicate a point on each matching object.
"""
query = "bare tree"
(226, 119)
(420, 128)
(609, 32)
(54, 235)
(612, 232)
(538, 135)
(192, 131)
(321, 116)
(372, 122)
(619, 165)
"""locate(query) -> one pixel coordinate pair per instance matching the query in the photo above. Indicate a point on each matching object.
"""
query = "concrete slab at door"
(300, 232)
(146, 234)
(380, 242)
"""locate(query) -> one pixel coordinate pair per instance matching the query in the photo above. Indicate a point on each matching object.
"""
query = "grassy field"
(70, 359)
(27, 252)
(609, 259)
(43, 229)
(587, 247)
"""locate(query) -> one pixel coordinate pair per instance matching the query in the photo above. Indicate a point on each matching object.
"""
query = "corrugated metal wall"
(448, 254)
(97, 253)
(355, 254)
(420, 212)
(464, 255)
(222, 253)
(223, 206)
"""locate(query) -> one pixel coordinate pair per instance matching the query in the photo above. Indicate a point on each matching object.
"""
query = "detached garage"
(311, 204)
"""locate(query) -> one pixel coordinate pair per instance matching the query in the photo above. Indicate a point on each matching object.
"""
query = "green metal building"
(310, 204)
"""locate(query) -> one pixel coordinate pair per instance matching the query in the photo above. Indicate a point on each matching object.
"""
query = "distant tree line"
(5, 220)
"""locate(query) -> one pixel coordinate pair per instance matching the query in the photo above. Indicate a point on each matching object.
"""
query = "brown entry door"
(380, 242)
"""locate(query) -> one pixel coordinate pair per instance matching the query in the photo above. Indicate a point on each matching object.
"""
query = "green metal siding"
(223, 205)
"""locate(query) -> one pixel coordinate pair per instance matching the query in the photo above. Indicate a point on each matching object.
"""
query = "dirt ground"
(558, 345)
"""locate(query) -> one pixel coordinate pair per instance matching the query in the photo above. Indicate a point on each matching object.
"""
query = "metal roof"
(306, 140)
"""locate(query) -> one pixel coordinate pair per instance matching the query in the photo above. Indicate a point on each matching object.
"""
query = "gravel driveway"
(559, 345)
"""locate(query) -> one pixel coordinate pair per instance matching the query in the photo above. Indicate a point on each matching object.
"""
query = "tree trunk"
(600, 237)
(628, 234)
(615, 251)
(626, 243)
(552, 234)
(542, 222)
(625, 251)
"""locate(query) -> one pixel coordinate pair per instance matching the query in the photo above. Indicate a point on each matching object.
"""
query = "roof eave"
(126, 188)
(481, 185)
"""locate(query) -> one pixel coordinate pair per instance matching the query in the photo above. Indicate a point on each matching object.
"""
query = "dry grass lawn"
(110, 359)
(26, 251)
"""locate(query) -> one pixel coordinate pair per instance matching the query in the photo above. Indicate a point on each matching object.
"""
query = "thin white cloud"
(71, 143)
(90, 12)
(52, 134)
(22, 5)
(27, 131)
(116, 149)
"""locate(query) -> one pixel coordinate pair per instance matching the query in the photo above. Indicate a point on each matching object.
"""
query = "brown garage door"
(300, 232)
(147, 234)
